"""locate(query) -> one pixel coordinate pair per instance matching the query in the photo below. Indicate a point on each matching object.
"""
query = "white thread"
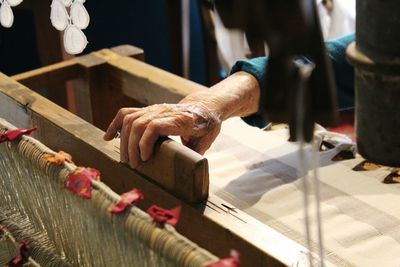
(304, 74)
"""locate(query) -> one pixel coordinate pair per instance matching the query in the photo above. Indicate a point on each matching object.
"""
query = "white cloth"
(342, 19)
(232, 44)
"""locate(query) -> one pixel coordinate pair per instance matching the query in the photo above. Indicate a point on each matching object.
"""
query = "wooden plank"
(129, 51)
(145, 83)
(49, 76)
(210, 224)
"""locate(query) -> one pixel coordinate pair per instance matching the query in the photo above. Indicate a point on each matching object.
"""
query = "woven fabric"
(256, 171)
(64, 229)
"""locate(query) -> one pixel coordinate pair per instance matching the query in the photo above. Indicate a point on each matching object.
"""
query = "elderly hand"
(197, 118)
(141, 127)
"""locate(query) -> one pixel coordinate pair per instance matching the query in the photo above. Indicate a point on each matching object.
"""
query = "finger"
(116, 123)
(185, 140)
(130, 135)
(206, 142)
(163, 127)
(198, 144)
(138, 127)
(125, 132)
(203, 143)
(149, 138)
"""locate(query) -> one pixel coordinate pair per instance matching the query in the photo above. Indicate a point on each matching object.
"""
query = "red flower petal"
(14, 134)
(162, 216)
(232, 261)
(79, 181)
(127, 198)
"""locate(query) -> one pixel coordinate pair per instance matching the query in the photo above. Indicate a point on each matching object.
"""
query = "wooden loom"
(106, 81)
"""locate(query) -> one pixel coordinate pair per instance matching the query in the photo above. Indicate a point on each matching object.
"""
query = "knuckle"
(126, 120)
(122, 112)
(143, 144)
(139, 124)
(153, 126)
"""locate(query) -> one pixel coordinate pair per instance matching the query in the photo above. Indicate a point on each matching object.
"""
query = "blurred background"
(153, 25)
(156, 26)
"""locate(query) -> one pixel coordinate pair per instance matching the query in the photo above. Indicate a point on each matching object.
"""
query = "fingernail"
(144, 156)
(134, 165)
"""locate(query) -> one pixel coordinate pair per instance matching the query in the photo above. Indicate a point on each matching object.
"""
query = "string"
(186, 37)
(64, 229)
(304, 73)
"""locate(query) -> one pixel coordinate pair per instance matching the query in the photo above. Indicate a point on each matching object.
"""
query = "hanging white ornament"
(6, 15)
(66, 3)
(14, 2)
(71, 23)
(59, 15)
(79, 15)
(74, 40)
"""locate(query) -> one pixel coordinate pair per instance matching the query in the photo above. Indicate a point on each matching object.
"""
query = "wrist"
(237, 95)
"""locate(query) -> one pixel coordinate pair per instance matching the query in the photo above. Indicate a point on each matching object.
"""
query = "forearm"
(237, 95)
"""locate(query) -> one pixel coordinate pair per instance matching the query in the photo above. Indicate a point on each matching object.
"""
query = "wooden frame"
(210, 223)
(110, 79)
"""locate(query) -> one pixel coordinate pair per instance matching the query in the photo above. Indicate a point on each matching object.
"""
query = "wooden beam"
(129, 51)
(50, 76)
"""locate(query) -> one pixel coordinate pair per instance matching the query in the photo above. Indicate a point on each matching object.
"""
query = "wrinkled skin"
(197, 118)
(141, 127)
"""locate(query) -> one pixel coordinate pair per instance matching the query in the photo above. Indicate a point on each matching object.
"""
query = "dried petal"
(59, 158)
(393, 177)
(79, 15)
(21, 258)
(79, 181)
(58, 15)
(162, 216)
(14, 134)
(74, 40)
(66, 3)
(6, 15)
(14, 2)
(127, 198)
(232, 261)
(367, 166)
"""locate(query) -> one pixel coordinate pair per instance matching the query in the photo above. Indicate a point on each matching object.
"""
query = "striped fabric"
(257, 171)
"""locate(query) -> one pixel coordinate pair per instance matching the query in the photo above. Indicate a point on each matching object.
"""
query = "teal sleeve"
(343, 71)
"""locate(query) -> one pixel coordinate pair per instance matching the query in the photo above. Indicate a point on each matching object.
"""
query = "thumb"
(198, 144)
